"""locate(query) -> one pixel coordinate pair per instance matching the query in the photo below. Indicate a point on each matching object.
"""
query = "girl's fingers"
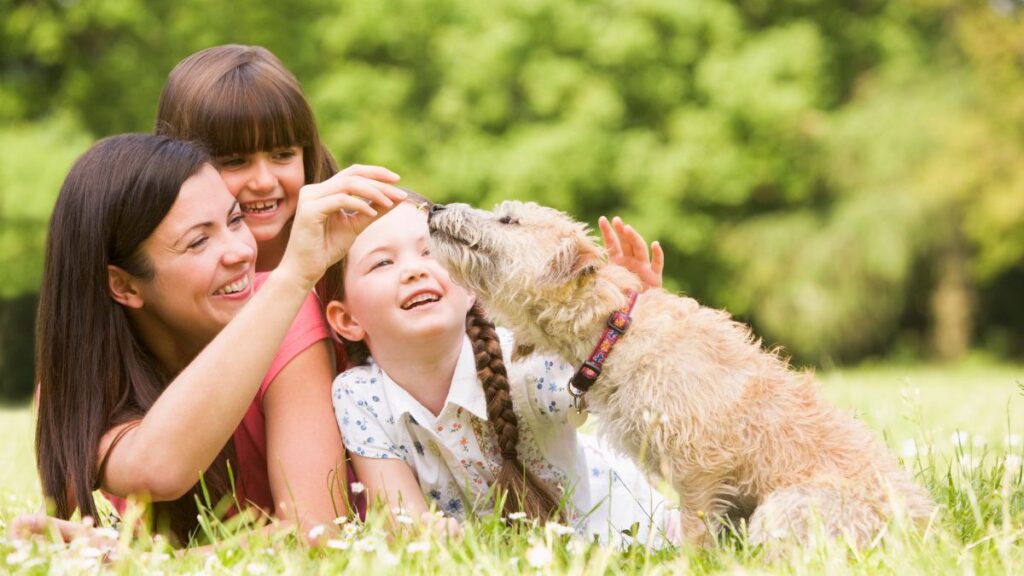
(636, 243)
(611, 240)
(369, 171)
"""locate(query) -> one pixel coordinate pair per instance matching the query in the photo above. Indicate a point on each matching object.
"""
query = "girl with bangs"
(249, 112)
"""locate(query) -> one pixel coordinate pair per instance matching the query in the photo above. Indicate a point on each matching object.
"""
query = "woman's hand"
(331, 213)
(627, 248)
(38, 525)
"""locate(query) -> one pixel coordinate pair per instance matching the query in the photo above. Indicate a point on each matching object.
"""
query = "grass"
(957, 427)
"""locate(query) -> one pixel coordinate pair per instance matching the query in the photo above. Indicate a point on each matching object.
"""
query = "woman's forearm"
(195, 416)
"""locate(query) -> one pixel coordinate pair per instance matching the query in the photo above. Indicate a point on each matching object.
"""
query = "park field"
(958, 427)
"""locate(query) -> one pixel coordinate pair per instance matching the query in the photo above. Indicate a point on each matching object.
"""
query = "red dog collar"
(618, 323)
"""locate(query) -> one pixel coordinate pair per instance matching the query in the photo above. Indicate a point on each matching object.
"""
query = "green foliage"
(814, 166)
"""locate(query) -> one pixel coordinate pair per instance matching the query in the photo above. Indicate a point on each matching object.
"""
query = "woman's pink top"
(252, 482)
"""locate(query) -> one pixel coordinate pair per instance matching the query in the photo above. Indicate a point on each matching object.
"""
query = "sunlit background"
(846, 175)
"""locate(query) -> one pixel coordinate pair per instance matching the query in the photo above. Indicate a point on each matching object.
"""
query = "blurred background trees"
(846, 176)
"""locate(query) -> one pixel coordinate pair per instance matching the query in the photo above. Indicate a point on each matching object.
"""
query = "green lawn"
(919, 410)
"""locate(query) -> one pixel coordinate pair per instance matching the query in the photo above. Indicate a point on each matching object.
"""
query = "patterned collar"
(618, 323)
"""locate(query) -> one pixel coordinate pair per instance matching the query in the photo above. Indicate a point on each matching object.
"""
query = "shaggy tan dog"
(687, 392)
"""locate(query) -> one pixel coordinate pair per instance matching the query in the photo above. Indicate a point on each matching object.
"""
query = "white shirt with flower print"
(455, 456)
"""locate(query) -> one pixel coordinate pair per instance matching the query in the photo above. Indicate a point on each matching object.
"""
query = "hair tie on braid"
(510, 453)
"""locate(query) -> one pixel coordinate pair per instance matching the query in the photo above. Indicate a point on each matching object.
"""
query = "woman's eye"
(198, 243)
(380, 264)
(237, 219)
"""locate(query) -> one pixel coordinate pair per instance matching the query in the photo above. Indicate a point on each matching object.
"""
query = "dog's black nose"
(435, 209)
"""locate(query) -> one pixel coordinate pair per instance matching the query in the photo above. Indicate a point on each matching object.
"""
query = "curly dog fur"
(688, 393)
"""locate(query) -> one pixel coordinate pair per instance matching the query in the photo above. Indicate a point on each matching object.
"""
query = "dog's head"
(518, 249)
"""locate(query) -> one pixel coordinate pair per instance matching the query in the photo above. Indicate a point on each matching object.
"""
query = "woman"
(151, 342)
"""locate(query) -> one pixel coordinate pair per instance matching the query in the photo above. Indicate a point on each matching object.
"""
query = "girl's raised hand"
(627, 248)
(331, 213)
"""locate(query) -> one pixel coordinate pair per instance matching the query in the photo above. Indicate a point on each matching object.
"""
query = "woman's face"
(204, 258)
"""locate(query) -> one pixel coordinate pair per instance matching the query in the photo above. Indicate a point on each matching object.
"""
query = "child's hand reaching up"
(627, 248)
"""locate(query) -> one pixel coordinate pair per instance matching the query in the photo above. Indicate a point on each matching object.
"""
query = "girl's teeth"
(261, 206)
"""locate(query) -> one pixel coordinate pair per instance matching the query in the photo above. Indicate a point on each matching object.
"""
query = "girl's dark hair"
(240, 100)
(93, 370)
(521, 488)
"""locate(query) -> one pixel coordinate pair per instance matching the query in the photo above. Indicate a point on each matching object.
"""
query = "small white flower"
(403, 519)
(349, 530)
(576, 546)
(255, 568)
(417, 547)
(339, 544)
(909, 449)
(387, 558)
(17, 557)
(560, 529)
(1012, 462)
(517, 516)
(106, 532)
(340, 520)
(91, 552)
(1012, 440)
(358, 488)
(960, 438)
(538, 556)
(365, 545)
(317, 531)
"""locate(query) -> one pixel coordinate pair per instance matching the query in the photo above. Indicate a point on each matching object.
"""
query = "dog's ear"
(575, 258)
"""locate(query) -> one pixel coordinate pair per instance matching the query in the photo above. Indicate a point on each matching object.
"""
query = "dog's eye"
(508, 220)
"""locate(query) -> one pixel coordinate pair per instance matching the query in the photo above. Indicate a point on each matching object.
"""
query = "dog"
(686, 391)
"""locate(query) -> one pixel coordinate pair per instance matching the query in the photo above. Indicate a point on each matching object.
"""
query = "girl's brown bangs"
(248, 119)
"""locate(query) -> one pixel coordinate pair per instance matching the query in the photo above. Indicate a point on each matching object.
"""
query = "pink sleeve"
(307, 329)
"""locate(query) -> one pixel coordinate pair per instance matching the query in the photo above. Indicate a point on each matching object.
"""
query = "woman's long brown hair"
(93, 370)
(519, 487)
(240, 100)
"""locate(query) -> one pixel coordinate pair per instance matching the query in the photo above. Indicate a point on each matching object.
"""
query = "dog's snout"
(436, 208)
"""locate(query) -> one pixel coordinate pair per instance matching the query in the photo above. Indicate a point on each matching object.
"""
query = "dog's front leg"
(703, 511)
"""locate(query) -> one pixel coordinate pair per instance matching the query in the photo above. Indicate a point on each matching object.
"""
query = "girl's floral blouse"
(455, 455)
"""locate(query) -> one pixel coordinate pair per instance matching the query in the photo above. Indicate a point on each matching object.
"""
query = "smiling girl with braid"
(431, 412)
